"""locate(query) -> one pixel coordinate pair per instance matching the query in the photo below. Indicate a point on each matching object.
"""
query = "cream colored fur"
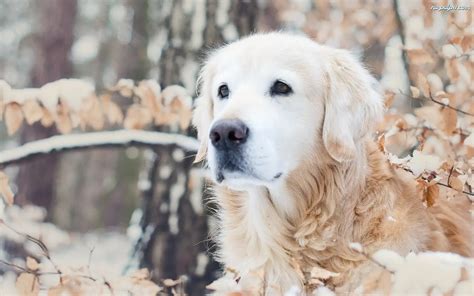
(336, 188)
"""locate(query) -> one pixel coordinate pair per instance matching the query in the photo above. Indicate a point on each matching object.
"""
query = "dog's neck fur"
(306, 222)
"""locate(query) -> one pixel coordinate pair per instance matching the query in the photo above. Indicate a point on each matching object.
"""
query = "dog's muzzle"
(228, 136)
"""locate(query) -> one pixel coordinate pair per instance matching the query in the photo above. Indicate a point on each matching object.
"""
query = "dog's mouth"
(233, 169)
(230, 167)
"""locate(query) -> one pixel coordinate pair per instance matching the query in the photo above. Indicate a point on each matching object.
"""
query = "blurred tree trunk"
(135, 63)
(175, 230)
(56, 19)
(105, 179)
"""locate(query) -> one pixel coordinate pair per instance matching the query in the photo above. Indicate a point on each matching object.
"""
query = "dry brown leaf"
(47, 120)
(432, 114)
(423, 85)
(148, 95)
(415, 92)
(467, 43)
(13, 117)
(33, 111)
(5, 189)
(176, 105)
(141, 274)
(389, 98)
(456, 184)
(419, 56)
(63, 122)
(31, 263)
(185, 118)
(112, 111)
(27, 284)
(137, 117)
(449, 120)
(91, 113)
(452, 69)
(166, 119)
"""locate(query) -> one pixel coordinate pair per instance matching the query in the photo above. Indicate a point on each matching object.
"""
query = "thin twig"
(117, 138)
(437, 102)
(440, 183)
(450, 107)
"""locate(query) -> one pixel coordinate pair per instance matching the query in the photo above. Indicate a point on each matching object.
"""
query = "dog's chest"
(254, 235)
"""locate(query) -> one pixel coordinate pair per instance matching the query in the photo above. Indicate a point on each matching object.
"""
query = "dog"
(285, 125)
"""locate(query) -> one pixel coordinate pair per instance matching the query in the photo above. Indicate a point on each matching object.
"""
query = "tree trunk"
(175, 229)
(106, 178)
(54, 39)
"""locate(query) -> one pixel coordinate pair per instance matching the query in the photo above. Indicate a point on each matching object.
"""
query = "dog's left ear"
(202, 114)
(352, 104)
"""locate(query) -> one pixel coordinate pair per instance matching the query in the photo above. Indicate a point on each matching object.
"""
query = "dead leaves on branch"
(441, 142)
(45, 277)
(72, 103)
(419, 56)
(439, 134)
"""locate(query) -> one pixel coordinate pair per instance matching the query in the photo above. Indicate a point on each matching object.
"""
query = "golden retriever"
(284, 124)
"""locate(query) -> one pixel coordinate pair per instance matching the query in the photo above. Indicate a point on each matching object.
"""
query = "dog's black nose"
(228, 133)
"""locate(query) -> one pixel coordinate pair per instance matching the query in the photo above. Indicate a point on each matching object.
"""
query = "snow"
(71, 252)
(70, 91)
(120, 137)
(418, 274)
(422, 162)
(198, 24)
(469, 141)
(134, 231)
(176, 192)
(172, 92)
(202, 261)
(85, 48)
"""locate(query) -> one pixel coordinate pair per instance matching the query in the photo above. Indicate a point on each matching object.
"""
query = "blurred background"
(124, 202)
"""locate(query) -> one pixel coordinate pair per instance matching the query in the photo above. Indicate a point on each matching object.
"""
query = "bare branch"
(440, 183)
(437, 102)
(450, 107)
(93, 140)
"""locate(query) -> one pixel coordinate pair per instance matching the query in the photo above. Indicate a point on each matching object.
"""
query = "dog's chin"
(239, 180)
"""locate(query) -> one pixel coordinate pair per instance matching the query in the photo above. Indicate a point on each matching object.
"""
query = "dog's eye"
(223, 91)
(279, 88)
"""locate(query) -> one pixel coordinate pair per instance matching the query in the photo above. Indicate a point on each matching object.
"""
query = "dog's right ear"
(202, 114)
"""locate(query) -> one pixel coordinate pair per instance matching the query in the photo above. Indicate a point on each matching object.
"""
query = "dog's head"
(270, 101)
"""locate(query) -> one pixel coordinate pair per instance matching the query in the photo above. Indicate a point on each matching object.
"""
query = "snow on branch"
(95, 139)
